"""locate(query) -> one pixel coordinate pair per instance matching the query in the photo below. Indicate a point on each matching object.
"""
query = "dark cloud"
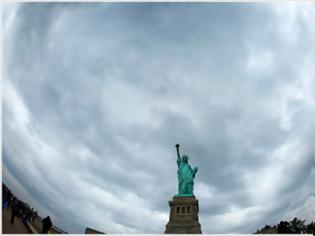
(97, 95)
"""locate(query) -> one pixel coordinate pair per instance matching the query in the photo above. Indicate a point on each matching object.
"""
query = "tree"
(295, 226)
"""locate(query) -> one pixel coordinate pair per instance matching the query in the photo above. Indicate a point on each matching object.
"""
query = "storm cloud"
(95, 96)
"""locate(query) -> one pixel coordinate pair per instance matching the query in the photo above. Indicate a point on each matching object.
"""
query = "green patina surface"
(185, 175)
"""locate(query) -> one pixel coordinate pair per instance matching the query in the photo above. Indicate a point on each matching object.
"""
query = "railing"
(37, 226)
(57, 230)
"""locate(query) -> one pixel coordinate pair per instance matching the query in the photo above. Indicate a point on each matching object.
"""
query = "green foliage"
(295, 226)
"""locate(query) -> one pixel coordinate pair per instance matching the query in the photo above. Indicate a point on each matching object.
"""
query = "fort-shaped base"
(183, 216)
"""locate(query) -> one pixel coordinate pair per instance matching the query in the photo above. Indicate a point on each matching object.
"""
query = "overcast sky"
(97, 95)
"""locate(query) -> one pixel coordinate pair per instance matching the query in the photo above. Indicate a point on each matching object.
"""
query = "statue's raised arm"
(178, 155)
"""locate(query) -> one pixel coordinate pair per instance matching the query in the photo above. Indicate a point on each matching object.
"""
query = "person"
(5, 204)
(15, 210)
(20, 212)
(27, 215)
(34, 216)
(185, 175)
(46, 225)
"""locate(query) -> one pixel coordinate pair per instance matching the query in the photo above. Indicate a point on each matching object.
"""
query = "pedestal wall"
(183, 217)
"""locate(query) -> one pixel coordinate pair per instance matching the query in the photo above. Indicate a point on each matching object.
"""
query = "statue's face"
(185, 159)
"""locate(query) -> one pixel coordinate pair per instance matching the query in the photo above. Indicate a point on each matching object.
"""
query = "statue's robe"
(185, 177)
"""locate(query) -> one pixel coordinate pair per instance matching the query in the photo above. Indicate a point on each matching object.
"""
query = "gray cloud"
(97, 95)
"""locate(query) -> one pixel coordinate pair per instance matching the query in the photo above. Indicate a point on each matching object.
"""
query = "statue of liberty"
(185, 175)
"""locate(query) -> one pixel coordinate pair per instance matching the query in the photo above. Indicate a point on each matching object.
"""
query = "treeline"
(295, 226)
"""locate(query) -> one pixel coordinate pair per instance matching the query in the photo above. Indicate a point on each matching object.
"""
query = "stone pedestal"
(183, 216)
